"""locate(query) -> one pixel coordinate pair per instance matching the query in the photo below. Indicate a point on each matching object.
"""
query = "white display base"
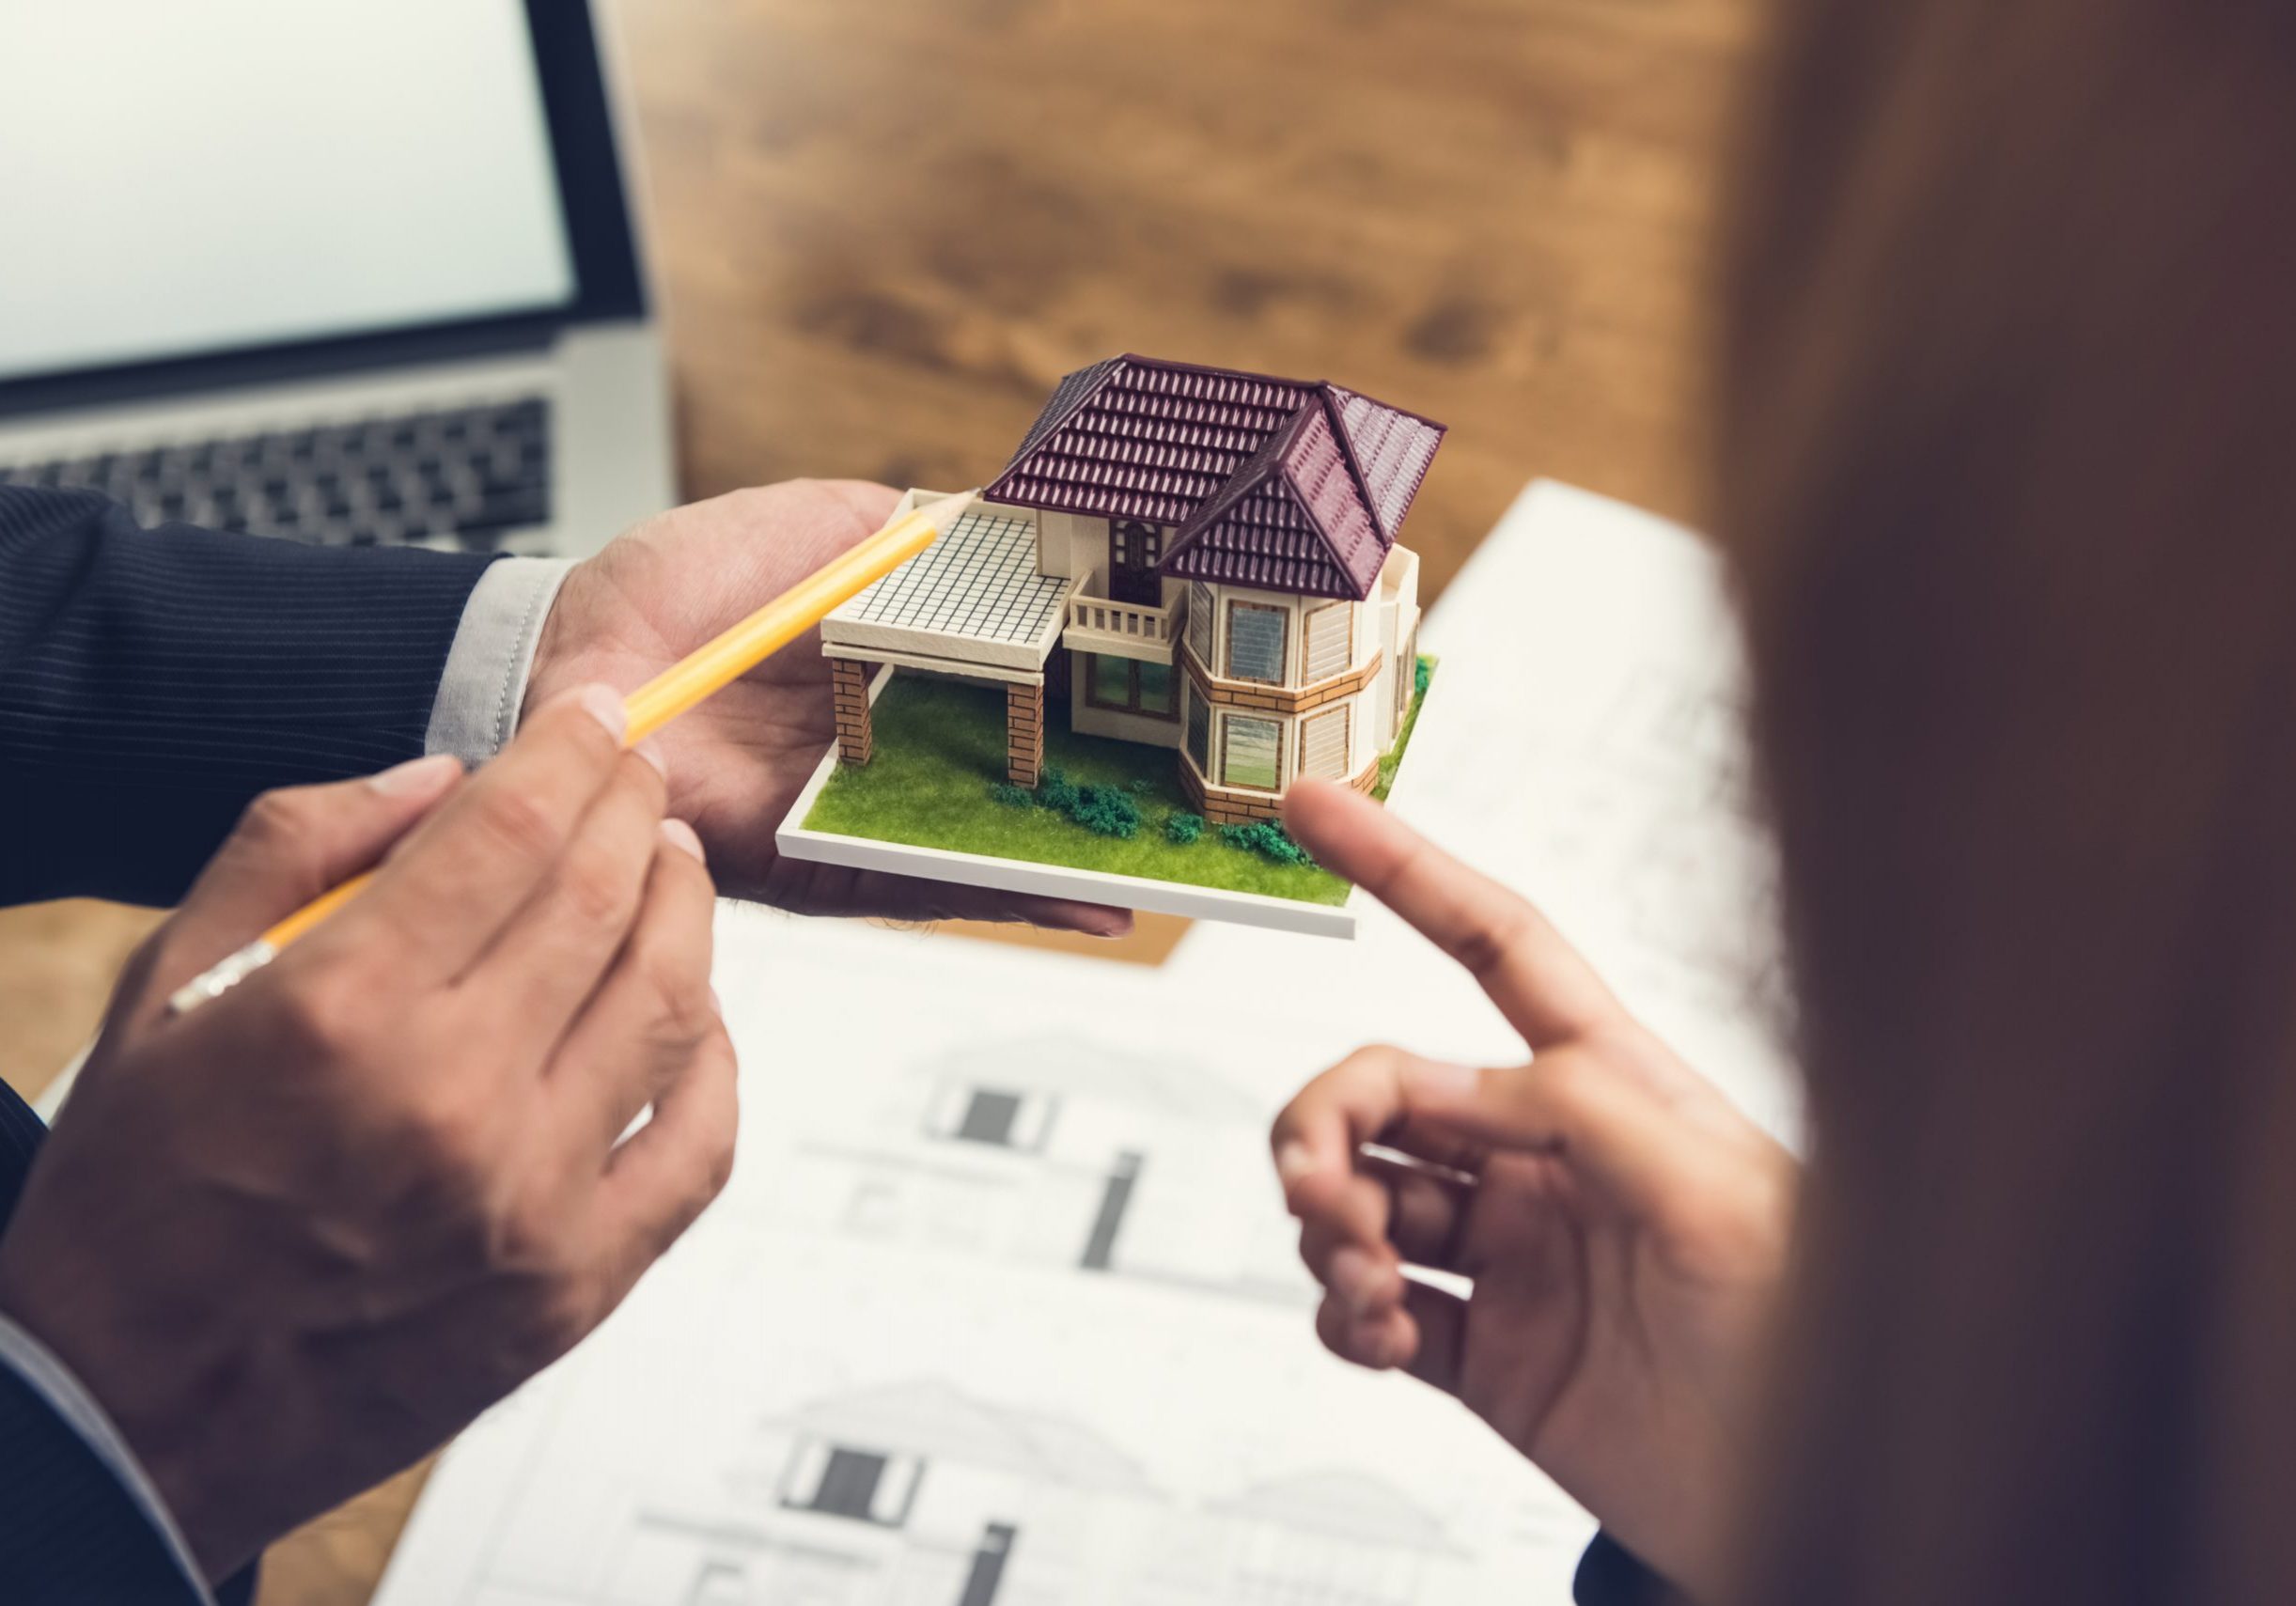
(1140, 893)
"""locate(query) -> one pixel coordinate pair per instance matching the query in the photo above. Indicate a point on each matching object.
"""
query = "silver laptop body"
(364, 272)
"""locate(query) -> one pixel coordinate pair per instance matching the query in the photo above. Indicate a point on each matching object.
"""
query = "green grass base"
(941, 746)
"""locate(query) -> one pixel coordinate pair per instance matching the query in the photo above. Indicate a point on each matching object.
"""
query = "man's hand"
(1624, 1228)
(738, 763)
(294, 1240)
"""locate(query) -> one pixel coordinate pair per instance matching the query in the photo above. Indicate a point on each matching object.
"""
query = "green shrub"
(1012, 796)
(1105, 810)
(1267, 839)
(1183, 828)
(1056, 793)
(1422, 672)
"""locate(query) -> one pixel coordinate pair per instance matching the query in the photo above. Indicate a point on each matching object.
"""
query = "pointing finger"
(1538, 981)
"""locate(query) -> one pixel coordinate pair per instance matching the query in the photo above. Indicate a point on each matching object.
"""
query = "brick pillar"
(1024, 734)
(848, 692)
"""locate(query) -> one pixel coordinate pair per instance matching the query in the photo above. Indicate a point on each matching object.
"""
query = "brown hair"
(2009, 377)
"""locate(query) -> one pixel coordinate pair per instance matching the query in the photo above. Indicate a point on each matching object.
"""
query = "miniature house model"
(1193, 558)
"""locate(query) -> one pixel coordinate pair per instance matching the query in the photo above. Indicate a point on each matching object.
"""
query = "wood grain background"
(881, 231)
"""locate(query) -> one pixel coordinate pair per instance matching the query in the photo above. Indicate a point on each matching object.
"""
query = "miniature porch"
(974, 606)
(978, 605)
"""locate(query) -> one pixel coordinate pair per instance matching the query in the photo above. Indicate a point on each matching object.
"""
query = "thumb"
(288, 847)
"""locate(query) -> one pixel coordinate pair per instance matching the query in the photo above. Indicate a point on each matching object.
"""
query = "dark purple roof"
(1280, 484)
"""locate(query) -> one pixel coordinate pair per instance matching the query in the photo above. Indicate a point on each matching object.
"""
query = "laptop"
(361, 271)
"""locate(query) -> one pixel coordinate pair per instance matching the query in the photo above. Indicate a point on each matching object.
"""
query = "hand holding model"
(737, 761)
(294, 1240)
(1624, 1227)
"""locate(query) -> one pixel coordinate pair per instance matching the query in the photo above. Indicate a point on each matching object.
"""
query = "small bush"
(1183, 828)
(1106, 811)
(1422, 672)
(1012, 796)
(1267, 839)
(1056, 793)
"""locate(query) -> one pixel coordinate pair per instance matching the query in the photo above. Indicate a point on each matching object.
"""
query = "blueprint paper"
(1001, 1307)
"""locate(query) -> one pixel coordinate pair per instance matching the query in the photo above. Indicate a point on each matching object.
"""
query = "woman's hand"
(1623, 1226)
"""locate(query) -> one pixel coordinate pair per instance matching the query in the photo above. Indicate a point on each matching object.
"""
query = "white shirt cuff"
(48, 1376)
(484, 678)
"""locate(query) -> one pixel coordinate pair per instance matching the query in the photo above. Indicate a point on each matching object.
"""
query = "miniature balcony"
(1119, 630)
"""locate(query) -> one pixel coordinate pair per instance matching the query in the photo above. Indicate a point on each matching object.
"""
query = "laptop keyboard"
(461, 477)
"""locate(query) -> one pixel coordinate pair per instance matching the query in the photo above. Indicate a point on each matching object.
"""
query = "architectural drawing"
(921, 1494)
(1339, 1534)
(1059, 1149)
(910, 1492)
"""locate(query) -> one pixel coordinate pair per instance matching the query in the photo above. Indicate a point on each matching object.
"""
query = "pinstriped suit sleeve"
(152, 681)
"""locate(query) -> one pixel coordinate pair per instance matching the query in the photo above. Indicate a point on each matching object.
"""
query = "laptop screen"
(180, 180)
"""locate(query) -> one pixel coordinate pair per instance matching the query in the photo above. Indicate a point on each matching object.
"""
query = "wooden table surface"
(882, 232)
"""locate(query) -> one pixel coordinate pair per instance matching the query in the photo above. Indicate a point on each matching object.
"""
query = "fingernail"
(651, 751)
(1433, 1080)
(1293, 1160)
(605, 706)
(682, 835)
(1353, 1274)
(418, 777)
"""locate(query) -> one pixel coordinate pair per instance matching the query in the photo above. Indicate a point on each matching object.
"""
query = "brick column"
(848, 692)
(1024, 734)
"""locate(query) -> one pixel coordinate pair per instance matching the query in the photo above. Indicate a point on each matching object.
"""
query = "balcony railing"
(1120, 629)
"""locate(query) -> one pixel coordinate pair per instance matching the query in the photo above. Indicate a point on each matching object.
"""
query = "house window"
(1199, 621)
(1406, 679)
(1199, 731)
(1128, 685)
(860, 1485)
(1251, 752)
(1323, 742)
(1108, 681)
(1255, 642)
(1330, 641)
(989, 1115)
(995, 1117)
(1152, 685)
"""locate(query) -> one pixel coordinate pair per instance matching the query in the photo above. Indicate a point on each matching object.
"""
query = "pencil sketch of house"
(910, 1494)
(1203, 559)
(1059, 1150)
(1337, 1534)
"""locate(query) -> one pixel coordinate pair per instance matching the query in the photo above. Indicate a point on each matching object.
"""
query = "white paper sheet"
(1001, 1308)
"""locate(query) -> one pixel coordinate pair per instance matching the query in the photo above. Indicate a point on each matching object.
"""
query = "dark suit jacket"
(152, 682)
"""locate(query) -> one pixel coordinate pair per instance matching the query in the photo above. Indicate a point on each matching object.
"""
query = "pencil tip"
(942, 510)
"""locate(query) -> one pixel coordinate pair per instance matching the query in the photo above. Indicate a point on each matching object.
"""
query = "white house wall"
(1057, 542)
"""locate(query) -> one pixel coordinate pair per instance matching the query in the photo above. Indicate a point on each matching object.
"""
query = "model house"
(1189, 557)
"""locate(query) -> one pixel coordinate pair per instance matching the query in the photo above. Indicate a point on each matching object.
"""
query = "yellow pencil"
(709, 668)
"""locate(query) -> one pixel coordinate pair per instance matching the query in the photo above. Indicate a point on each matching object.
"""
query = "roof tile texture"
(1279, 484)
